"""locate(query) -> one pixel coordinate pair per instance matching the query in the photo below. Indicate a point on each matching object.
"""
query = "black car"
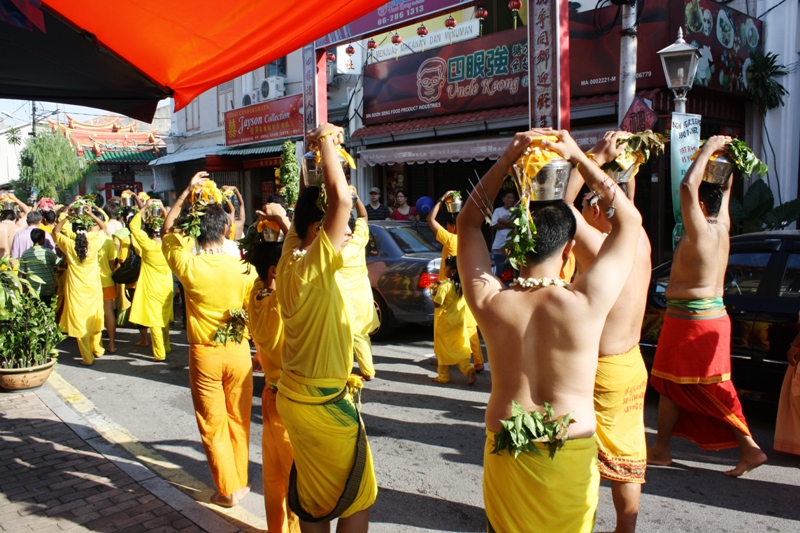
(402, 260)
(762, 296)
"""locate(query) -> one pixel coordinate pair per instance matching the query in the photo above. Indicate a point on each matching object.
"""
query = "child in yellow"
(220, 376)
(82, 314)
(450, 341)
(266, 328)
(152, 301)
(356, 281)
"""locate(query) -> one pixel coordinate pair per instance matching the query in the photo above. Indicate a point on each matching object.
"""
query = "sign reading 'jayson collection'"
(479, 74)
(275, 119)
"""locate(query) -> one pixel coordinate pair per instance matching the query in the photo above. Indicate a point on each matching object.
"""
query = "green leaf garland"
(523, 430)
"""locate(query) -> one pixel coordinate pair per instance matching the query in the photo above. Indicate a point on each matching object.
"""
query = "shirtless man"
(621, 378)
(544, 343)
(692, 365)
(10, 224)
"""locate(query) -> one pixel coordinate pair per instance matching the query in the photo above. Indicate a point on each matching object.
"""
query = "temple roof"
(112, 139)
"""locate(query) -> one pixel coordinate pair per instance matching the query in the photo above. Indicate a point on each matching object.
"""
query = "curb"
(164, 479)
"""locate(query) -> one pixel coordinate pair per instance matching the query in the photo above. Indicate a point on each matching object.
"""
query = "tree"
(13, 136)
(49, 163)
(758, 212)
(289, 175)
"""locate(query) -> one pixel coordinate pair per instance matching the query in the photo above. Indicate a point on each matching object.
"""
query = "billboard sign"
(479, 74)
(389, 16)
(275, 119)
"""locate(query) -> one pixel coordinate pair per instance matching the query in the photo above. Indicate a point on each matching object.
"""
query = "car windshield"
(415, 239)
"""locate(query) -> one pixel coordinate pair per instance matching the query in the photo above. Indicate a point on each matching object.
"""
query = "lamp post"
(679, 61)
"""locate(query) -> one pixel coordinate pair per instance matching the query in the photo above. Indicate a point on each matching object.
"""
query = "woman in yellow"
(220, 375)
(124, 243)
(82, 315)
(356, 281)
(152, 301)
(108, 262)
(450, 340)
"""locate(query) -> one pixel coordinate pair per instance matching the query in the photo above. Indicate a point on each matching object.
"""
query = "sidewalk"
(58, 474)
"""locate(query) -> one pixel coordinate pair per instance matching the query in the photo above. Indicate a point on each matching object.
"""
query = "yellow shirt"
(316, 310)
(45, 227)
(213, 283)
(450, 340)
(107, 253)
(356, 280)
(152, 301)
(450, 248)
(266, 327)
(83, 294)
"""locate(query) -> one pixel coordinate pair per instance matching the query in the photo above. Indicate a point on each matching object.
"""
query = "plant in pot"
(30, 332)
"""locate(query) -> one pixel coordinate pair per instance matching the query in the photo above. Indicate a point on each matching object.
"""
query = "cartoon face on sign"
(431, 79)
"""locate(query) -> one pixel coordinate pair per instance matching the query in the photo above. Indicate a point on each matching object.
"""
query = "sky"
(21, 111)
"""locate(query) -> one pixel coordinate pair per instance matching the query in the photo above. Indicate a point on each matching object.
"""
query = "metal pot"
(8, 205)
(79, 209)
(550, 183)
(454, 206)
(719, 170)
(621, 176)
(127, 201)
(271, 235)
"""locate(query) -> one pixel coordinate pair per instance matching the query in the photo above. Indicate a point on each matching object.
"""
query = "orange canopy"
(183, 47)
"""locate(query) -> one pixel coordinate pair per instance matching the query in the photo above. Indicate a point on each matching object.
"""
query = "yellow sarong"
(536, 493)
(619, 388)
(324, 441)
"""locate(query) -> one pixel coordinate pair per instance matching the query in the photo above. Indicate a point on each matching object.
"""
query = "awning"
(437, 153)
(189, 154)
(270, 147)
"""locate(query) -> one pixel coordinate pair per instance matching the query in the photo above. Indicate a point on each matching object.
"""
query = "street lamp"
(679, 61)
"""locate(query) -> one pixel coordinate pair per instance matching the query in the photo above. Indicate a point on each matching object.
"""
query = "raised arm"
(604, 150)
(474, 262)
(434, 225)
(175, 210)
(23, 208)
(694, 221)
(327, 137)
(361, 209)
(603, 281)
(276, 213)
(97, 220)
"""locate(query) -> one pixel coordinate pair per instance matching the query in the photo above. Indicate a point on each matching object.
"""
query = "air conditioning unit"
(272, 87)
(250, 98)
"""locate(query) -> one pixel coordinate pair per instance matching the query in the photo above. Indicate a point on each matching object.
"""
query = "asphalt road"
(427, 440)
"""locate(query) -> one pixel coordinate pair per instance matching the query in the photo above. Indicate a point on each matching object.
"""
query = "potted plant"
(30, 332)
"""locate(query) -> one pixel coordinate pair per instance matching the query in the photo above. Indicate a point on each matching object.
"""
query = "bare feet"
(436, 380)
(112, 348)
(472, 378)
(747, 462)
(232, 500)
(478, 367)
(658, 458)
(142, 343)
(367, 378)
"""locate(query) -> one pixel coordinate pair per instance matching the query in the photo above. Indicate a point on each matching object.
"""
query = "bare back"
(698, 266)
(7, 231)
(539, 356)
(623, 327)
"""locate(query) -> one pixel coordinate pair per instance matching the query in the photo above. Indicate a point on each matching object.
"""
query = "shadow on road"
(426, 512)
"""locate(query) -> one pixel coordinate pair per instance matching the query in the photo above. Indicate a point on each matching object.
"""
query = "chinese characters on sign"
(545, 55)
(275, 119)
(468, 76)
(639, 117)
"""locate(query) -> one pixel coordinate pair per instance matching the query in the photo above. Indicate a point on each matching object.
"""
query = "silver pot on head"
(719, 170)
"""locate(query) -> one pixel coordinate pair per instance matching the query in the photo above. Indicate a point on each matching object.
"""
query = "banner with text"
(684, 141)
(478, 74)
(275, 119)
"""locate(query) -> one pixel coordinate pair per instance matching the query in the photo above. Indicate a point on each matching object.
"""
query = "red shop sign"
(276, 119)
(479, 74)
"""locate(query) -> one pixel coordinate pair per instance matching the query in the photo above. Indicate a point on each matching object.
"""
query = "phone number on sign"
(400, 15)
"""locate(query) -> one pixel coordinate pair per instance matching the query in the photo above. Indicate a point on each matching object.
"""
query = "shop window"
(276, 68)
(224, 101)
(192, 114)
(744, 272)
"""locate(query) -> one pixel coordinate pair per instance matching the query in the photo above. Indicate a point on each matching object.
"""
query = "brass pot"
(719, 170)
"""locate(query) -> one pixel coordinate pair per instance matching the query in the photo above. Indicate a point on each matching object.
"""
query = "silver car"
(403, 260)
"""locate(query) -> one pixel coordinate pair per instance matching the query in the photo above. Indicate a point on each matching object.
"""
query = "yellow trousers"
(362, 347)
(475, 344)
(464, 366)
(276, 458)
(221, 379)
(91, 346)
(159, 338)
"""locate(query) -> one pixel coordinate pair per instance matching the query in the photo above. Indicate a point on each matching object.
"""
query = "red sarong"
(692, 368)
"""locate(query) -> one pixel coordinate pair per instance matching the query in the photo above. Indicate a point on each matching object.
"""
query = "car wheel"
(386, 328)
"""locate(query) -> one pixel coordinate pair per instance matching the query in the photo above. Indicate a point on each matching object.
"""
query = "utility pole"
(33, 118)
(627, 59)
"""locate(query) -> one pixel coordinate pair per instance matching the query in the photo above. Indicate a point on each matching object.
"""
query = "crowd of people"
(562, 338)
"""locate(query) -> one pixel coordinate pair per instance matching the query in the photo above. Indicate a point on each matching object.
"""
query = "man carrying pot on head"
(543, 337)
(317, 400)
(10, 223)
(692, 365)
(220, 374)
